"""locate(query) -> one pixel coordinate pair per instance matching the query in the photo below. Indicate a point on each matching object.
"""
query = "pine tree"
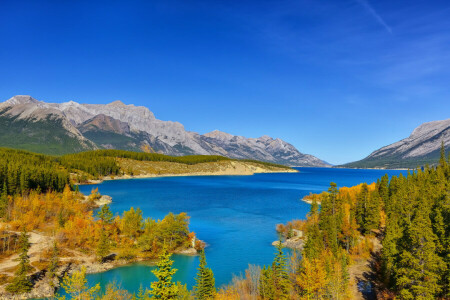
(314, 211)
(281, 280)
(103, 246)
(205, 282)
(314, 241)
(419, 266)
(105, 214)
(142, 294)
(164, 288)
(21, 283)
(383, 188)
(331, 218)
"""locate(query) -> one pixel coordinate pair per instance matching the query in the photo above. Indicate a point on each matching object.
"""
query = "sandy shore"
(233, 168)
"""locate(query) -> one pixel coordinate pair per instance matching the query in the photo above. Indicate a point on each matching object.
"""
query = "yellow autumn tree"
(311, 280)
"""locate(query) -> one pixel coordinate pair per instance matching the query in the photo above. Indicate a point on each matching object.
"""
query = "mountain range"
(60, 128)
(420, 148)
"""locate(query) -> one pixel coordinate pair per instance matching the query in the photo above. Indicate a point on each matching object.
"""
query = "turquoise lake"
(234, 215)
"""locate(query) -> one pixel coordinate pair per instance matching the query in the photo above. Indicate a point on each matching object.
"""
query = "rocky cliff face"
(129, 127)
(421, 147)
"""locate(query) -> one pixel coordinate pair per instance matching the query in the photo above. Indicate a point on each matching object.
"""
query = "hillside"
(78, 127)
(23, 170)
(420, 148)
(38, 129)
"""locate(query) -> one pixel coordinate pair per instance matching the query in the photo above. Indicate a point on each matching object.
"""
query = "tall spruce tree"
(205, 282)
(280, 274)
(314, 240)
(105, 214)
(103, 246)
(21, 283)
(420, 267)
(164, 288)
(331, 218)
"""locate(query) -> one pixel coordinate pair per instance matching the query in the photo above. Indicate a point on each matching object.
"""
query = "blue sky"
(337, 79)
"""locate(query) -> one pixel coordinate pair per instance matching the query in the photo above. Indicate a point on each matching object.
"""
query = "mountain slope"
(128, 127)
(420, 148)
(264, 148)
(24, 124)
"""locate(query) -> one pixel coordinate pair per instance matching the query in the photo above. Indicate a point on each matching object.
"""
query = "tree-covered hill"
(22, 170)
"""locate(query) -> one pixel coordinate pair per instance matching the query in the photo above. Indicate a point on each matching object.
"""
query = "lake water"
(234, 215)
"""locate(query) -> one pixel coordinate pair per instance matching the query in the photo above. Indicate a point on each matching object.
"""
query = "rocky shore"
(295, 242)
(45, 288)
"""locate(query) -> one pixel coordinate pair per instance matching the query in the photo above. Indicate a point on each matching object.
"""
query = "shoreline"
(308, 201)
(387, 169)
(218, 173)
(42, 288)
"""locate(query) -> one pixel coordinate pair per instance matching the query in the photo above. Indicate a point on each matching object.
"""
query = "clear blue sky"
(337, 79)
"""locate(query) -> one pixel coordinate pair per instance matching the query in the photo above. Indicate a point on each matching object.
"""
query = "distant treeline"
(22, 170)
(142, 156)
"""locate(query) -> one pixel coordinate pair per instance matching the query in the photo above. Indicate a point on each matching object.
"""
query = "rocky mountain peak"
(430, 127)
(265, 138)
(220, 135)
(21, 99)
(132, 126)
(105, 123)
(117, 103)
(420, 148)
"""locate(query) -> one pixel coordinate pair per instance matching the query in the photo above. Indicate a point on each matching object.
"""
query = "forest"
(21, 171)
(401, 224)
(37, 195)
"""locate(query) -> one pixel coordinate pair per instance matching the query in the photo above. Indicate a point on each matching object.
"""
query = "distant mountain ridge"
(50, 127)
(420, 148)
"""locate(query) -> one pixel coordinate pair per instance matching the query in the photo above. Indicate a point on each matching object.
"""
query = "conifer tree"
(281, 280)
(314, 240)
(164, 288)
(21, 283)
(266, 288)
(331, 218)
(383, 188)
(103, 246)
(419, 266)
(205, 282)
(142, 294)
(105, 214)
